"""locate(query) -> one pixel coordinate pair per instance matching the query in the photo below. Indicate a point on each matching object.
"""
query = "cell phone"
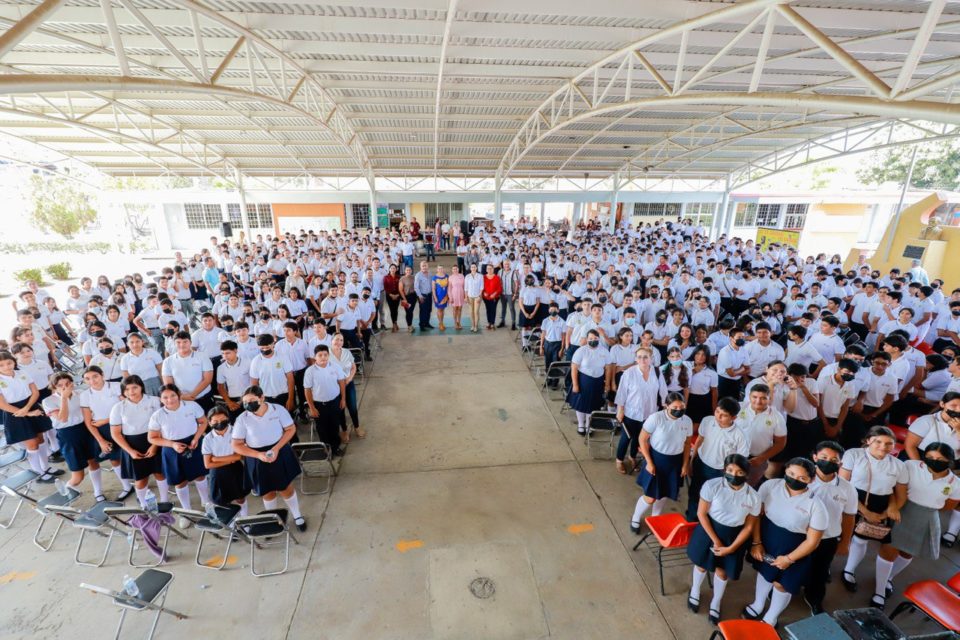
(769, 559)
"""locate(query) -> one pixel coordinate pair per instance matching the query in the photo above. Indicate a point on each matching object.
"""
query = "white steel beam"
(451, 13)
(106, 6)
(27, 25)
(919, 44)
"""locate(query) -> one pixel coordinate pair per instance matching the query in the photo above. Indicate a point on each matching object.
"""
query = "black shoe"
(367, 357)
(714, 617)
(123, 495)
(301, 524)
(513, 327)
(816, 608)
(748, 614)
(501, 325)
(581, 431)
(46, 479)
(878, 602)
(55, 457)
(888, 591)
(54, 472)
(693, 605)
(948, 542)
(635, 528)
(850, 585)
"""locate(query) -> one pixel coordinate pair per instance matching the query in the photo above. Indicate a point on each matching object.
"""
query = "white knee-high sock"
(163, 488)
(899, 564)
(658, 506)
(884, 567)
(141, 496)
(244, 508)
(97, 482)
(858, 549)
(204, 490)
(953, 528)
(642, 506)
(719, 586)
(123, 481)
(293, 503)
(778, 602)
(33, 459)
(183, 495)
(50, 437)
(581, 421)
(761, 593)
(269, 504)
(696, 585)
(44, 453)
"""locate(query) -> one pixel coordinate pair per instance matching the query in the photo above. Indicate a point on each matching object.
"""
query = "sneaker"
(816, 608)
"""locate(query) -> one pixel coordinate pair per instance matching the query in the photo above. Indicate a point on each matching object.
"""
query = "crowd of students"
(760, 378)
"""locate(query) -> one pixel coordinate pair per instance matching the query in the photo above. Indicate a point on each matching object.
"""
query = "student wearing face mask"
(588, 371)
(551, 336)
(665, 445)
(791, 527)
(107, 360)
(229, 483)
(727, 511)
(840, 500)
(732, 365)
(717, 438)
(838, 392)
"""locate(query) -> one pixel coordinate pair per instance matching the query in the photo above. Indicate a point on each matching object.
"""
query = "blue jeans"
(408, 261)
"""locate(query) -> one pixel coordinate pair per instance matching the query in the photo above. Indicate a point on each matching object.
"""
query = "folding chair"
(123, 516)
(152, 585)
(316, 461)
(222, 529)
(11, 460)
(672, 534)
(744, 630)
(935, 601)
(376, 338)
(259, 530)
(603, 426)
(358, 359)
(557, 374)
(93, 520)
(20, 482)
(56, 499)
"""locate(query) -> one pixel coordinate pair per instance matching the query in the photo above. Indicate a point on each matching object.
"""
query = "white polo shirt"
(793, 513)
(101, 402)
(323, 382)
(179, 424)
(134, 418)
(876, 388)
(718, 443)
(218, 445)
(730, 358)
(16, 387)
(931, 428)
(729, 506)
(833, 395)
(297, 353)
(235, 376)
(638, 396)
(759, 356)
(207, 343)
(925, 490)
(143, 365)
(51, 406)
(839, 497)
(187, 372)
(668, 435)
(884, 474)
(271, 373)
(761, 428)
(803, 410)
(265, 430)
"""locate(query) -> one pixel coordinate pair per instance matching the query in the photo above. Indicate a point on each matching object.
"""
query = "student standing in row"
(129, 426)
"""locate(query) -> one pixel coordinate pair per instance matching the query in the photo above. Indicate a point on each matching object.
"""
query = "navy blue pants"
(426, 308)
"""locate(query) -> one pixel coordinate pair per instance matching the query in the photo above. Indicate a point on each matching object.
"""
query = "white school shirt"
(592, 361)
(38, 372)
(759, 356)
(925, 490)
(935, 384)
(638, 396)
(296, 353)
(271, 373)
(804, 410)
(884, 474)
(730, 358)
(793, 513)
(876, 388)
(207, 343)
(111, 367)
(761, 428)
(187, 372)
(832, 395)
(931, 428)
(703, 381)
(235, 376)
(143, 365)
(134, 418)
(839, 497)
(778, 393)
(667, 435)
(804, 353)
(350, 317)
(902, 369)
(888, 327)
(323, 382)
(553, 329)
(829, 347)
(248, 349)
(100, 402)
(346, 361)
(718, 443)
(218, 445)
(265, 430)
(622, 356)
(51, 406)
(179, 424)
(728, 506)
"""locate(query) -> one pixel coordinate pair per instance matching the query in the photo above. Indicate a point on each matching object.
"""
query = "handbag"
(864, 528)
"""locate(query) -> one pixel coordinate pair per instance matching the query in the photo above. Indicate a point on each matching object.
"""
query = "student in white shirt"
(588, 377)
(23, 417)
(233, 378)
(191, 372)
(942, 426)
(799, 350)
(273, 373)
(325, 385)
(732, 365)
(128, 426)
(636, 400)
(143, 362)
(77, 444)
(717, 438)
(727, 511)
(766, 429)
(228, 480)
(96, 401)
(838, 392)
(878, 390)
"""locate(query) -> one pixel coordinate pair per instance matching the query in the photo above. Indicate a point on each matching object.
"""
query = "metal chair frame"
(40, 506)
(259, 540)
(130, 603)
(216, 528)
(122, 516)
(603, 422)
(314, 454)
(21, 483)
(93, 523)
(558, 372)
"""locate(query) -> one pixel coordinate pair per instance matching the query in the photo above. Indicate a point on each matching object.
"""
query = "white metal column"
(244, 216)
(577, 206)
(497, 203)
(543, 215)
(614, 200)
(521, 209)
(720, 219)
(373, 210)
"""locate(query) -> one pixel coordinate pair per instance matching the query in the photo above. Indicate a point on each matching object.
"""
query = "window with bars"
(260, 214)
(768, 215)
(233, 209)
(649, 209)
(202, 216)
(746, 214)
(360, 214)
(796, 216)
(700, 212)
(449, 211)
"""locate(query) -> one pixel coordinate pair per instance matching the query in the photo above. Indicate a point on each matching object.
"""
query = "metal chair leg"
(9, 522)
(226, 552)
(156, 618)
(663, 591)
(123, 615)
(903, 606)
(106, 550)
(163, 550)
(642, 540)
(53, 537)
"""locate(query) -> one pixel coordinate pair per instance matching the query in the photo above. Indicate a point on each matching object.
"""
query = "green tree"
(60, 206)
(938, 166)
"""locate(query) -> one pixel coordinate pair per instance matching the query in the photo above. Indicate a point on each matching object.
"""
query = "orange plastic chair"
(673, 533)
(933, 599)
(922, 347)
(954, 582)
(744, 630)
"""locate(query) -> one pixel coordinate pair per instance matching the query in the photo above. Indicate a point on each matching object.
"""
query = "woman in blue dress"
(440, 297)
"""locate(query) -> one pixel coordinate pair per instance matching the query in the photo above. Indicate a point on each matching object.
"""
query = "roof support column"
(374, 222)
(577, 208)
(719, 218)
(27, 25)
(244, 216)
(892, 227)
(497, 203)
(614, 201)
(543, 215)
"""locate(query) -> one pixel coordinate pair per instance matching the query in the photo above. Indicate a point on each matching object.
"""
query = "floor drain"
(482, 588)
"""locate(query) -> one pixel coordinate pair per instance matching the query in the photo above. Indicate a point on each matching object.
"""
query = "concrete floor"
(468, 472)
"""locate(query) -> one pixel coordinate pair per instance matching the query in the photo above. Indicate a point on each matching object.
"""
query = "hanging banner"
(767, 236)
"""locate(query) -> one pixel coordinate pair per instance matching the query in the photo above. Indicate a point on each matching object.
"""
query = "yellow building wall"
(418, 212)
(831, 228)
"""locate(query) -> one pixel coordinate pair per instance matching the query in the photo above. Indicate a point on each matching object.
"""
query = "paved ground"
(469, 475)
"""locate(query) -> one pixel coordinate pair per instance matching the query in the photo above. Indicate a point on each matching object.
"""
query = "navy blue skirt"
(666, 483)
(778, 541)
(523, 321)
(104, 431)
(699, 407)
(77, 446)
(228, 483)
(138, 469)
(25, 428)
(700, 554)
(267, 477)
(182, 467)
(590, 397)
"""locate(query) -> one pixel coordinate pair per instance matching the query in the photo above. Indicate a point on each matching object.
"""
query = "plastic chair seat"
(57, 499)
(308, 453)
(21, 479)
(935, 600)
(265, 529)
(899, 432)
(151, 584)
(746, 630)
(671, 529)
(225, 514)
(12, 457)
(94, 518)
(954, 582)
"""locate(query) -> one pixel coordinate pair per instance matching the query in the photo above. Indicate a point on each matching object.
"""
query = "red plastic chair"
(899, 432)
(933, 599)
(922, 347)
(673, 533)
(954, 582)
(744, 630)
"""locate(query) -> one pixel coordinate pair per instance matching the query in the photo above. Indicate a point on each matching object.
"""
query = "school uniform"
(760, 429)
(839, 498)
(110, 365)
(874, 479)
(783, 527)
(701, 385)
(77, 444)
(230, 482)
(667, 440)
(717, 444)
(804, 429)
(918, 532)
(931, 428)
(638, 397)
(180, 426)
(875, 390)
(759, 356)
(144, 365)
(100, 402)
(236, 378)
(324, 386)
(261, 433)
(591, 363)
(271, 375)
(16, 391)
(133, 420)
(187, 373)
(730, 358)
(552, 329)
(833, 395)
(729, 509)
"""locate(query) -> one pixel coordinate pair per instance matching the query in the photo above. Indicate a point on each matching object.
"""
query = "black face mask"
(793, 483)
(603, 299)
(735, 481)
(265, 316)
(828, 467)
(847, 377)
(267, 352)
(937, 466)
(953, 414)
(169, 333)
(219, 426)
(593, 343)
(739, 342)
(955, 312)
(97, 334)
(554, 313)
(252, 407)
(167, 309)
(106, 351)
(366, 296)
(676, 413)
